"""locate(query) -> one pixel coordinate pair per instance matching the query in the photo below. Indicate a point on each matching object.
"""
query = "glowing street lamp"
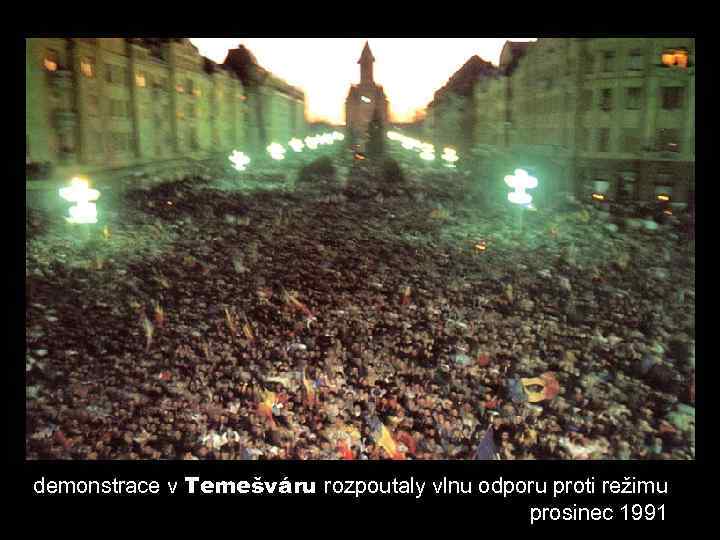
(428, 154)
(80, 193)
(311, 143)
(276, 151)
(296, 144)
(450, 156)
(239, 160)
(520, 181)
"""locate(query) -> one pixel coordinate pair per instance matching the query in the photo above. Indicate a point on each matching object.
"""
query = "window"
(608, 61)
(589, 63)
(87, 67)
(672, 97)
(664, 184)
(120, 141)
(586, 98)
(606, 99)
(603, 139)
(675, 58)
(140, 79)
(627, 186)
(180, 88)
(109, 74)
(582, 138)
(635, 60)
(669, 140)
(633, 98)
(51, 60)
(93, 105)
(190, 110)
(189, 86)
(631, 140)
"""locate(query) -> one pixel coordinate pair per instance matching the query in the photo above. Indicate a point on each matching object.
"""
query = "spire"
(366, 55)
(366, 65)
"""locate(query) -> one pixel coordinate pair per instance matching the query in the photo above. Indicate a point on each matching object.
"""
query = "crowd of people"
(284, 326)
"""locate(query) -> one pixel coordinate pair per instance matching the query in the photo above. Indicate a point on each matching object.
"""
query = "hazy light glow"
(520, 181)
(296, 144)
(276, 151)
(410, 70)
(239, 160)
(79, 192)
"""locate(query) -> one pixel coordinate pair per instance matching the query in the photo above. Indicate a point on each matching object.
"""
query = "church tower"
(364, 100)
(366, 66)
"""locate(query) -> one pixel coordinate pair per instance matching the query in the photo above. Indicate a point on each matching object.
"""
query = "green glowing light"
(520, 181)
(239, 160)
(276, 151)
(296, 144)
(79, 192)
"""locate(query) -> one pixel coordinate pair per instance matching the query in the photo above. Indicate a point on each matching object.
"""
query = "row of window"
(663, 182)
(667, 140)
(674, 57)
(671, 98)
(120, 75)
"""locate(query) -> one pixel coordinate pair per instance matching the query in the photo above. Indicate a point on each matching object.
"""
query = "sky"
(409, 69)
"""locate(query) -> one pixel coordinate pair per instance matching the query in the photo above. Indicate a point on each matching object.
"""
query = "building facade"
(452, 114)
(365, 100)
(577, 111)
(276, 110)
(103, 103)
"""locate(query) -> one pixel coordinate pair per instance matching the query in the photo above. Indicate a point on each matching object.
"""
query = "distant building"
(365, 99)
(94, 104)
(276, 109)
(581, 110)
(451, 116)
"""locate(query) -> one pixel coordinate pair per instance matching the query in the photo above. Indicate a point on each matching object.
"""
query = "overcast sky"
(409, 69)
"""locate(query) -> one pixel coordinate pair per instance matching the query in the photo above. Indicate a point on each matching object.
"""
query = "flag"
(309, 389)
(384, 439)
(247, 330)
(344, 451)
(486, 449)
(405, 300)
(265, 408)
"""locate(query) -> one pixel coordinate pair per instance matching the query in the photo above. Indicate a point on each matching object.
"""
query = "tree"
(376, 136)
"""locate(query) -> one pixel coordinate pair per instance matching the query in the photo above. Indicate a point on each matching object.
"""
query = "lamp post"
(239, 160)
(519, 182)
(84, 211)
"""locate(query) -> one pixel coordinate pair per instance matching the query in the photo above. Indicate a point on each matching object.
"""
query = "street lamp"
(239, 160)
(520, 181)
(79, 192)
(276, 151)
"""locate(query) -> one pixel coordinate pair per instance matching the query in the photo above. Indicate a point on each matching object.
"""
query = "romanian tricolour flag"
(383, 438)
(265, 408)
(309, 389)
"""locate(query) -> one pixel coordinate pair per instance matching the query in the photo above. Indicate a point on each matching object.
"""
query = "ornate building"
(617, 111)
(365, 100)
(95, 104)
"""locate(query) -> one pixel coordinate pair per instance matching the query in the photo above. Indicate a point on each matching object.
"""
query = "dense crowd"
(285, 325)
